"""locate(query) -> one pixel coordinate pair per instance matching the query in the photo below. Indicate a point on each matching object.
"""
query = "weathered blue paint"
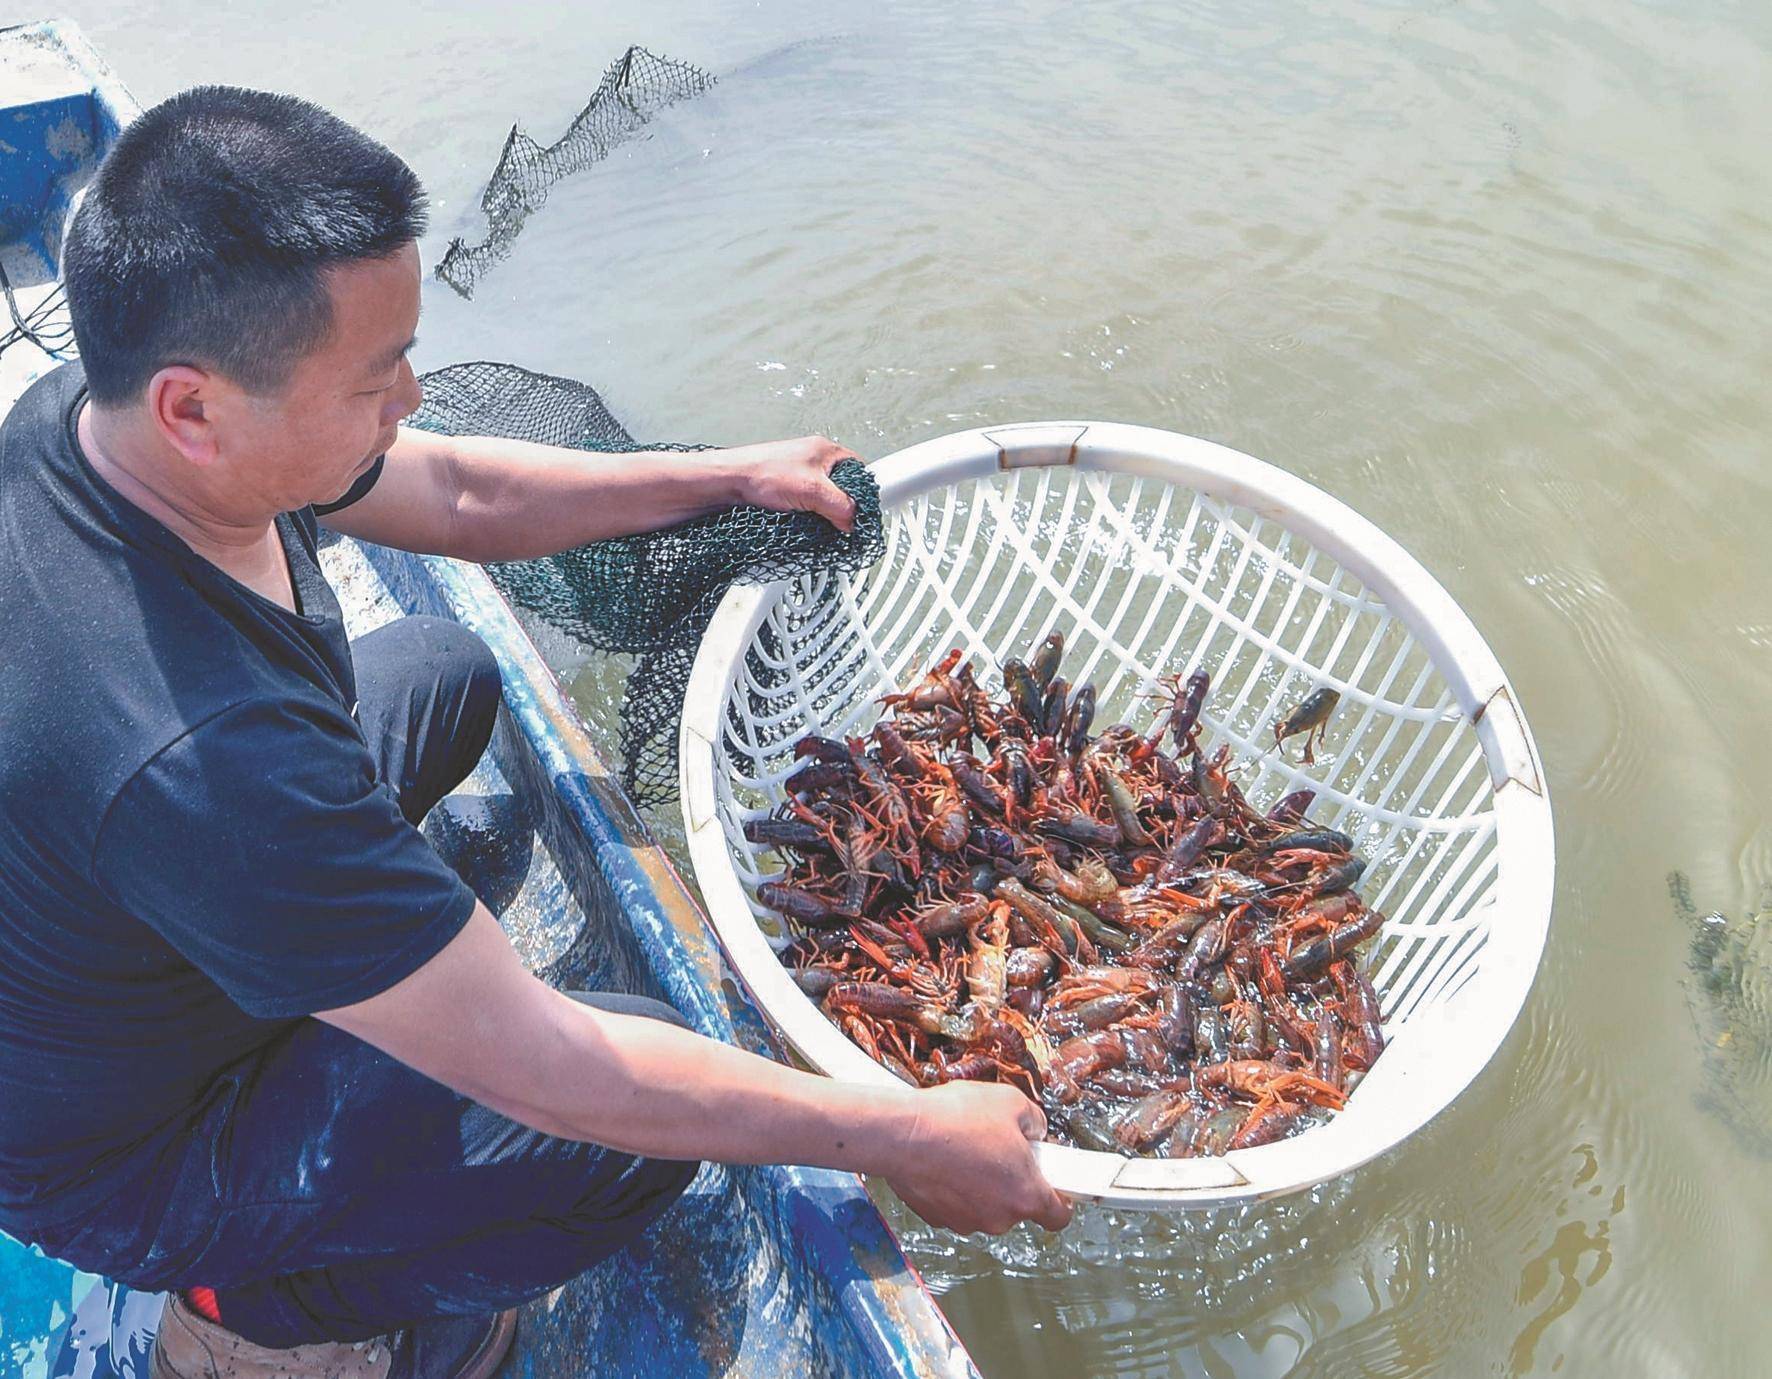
(62, 109)
(761, 1271)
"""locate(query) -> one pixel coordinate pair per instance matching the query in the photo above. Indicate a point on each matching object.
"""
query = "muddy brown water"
(1493, 273)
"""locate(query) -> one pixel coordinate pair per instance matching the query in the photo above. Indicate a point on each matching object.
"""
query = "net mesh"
(1729, 994)
(637, 86)
(649, 596)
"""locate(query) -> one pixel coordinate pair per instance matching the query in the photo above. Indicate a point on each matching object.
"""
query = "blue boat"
(770, 1271)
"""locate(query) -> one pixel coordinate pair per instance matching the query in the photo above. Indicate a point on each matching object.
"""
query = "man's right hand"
(967, 1162)
(474, 1019)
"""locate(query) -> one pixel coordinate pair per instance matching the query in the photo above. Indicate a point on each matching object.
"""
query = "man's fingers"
(1057, 1213)
(831, 454)
(834, 505)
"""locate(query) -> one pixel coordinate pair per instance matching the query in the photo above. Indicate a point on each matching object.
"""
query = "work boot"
(190, 1346)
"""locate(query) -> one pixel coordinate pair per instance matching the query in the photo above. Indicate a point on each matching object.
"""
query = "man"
(258, 1044)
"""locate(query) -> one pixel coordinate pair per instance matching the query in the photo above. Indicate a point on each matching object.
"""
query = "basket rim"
(1408, 1087)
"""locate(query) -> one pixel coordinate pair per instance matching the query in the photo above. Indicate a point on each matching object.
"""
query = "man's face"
(338, 411)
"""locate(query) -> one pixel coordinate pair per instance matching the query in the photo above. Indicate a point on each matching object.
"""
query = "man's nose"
(404, 400)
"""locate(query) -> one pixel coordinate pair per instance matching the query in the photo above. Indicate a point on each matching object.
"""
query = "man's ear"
(179, 399)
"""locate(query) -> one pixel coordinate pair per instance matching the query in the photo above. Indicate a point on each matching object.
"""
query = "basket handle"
(1084, 1176)
(1499, 726)
(1035, 445)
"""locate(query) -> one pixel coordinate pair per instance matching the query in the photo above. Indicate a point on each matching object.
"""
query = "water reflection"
(1576, 1257)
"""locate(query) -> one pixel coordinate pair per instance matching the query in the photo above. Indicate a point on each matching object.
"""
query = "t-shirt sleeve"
(355, 491)
(262, 846)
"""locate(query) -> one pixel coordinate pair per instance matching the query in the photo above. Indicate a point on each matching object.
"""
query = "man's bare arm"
(482, 498)
(474, 1019)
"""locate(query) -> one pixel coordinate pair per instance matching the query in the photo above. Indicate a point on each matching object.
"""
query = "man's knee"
(617, 1212)
(468, 691)
(670, 1178)
(624, 1003)
(467, 664)
(428, 695)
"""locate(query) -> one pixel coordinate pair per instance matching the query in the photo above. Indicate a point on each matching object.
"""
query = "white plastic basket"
(1158, 553)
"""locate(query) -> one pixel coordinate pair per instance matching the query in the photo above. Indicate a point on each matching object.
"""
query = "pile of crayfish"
(981, 889)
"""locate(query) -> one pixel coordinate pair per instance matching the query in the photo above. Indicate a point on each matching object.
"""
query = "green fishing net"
(637, 85)
(1729, 994)
(649, 596)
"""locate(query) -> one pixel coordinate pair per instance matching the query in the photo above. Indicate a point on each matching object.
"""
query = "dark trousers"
(332, 1193)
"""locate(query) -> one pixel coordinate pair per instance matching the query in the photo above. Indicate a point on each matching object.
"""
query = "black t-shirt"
(195, 850)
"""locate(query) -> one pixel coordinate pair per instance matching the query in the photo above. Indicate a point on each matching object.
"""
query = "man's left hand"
(795, 476)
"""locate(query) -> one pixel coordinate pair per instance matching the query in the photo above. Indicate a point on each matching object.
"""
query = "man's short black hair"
(205, 234)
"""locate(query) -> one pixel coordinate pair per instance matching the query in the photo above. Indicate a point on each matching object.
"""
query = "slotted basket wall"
(1158, 553)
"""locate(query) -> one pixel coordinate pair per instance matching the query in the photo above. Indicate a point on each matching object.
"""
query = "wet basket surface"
(1156, 553)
